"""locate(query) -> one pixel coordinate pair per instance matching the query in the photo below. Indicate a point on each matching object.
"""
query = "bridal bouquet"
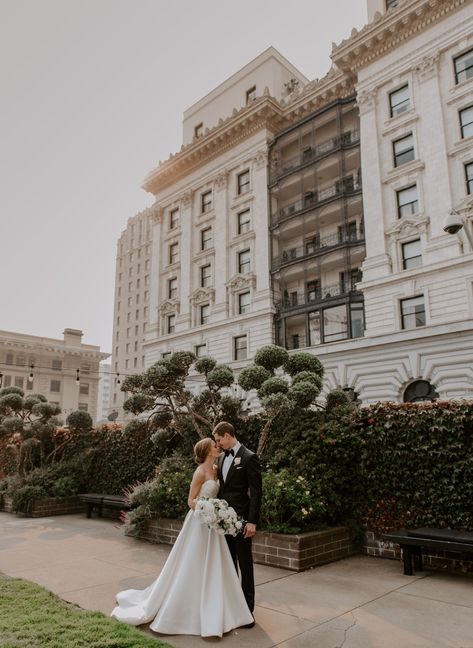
(217, 515)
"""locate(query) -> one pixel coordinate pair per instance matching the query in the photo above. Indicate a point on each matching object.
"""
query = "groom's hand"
(250, 530)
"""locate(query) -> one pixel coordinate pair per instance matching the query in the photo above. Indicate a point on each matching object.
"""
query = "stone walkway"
(359, 602)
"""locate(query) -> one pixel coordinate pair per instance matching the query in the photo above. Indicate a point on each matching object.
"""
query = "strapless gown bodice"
(197, 592)
(209, 488)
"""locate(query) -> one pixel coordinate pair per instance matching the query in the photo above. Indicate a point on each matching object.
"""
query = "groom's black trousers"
(240, 549)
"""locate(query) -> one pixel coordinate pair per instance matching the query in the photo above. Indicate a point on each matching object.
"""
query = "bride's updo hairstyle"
(202, 449)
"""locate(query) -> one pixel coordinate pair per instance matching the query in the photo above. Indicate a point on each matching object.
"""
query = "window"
(335, 323)
(204, 314)
(127, 348)
(172, 288)
(20, 361)
(145, 311)
(135, 362)
(240, 347)
(250, 94)
(129, 301)
(466, 122)
(136, 346)
(173, 218)
(84, 389)
(206, 238)
(403, 150)
(128, 317)
(399, 101)
(137, 314)
(244, 261)
(166, 354)
(200, 350)
(55, 386)
(313, 290)
(137, 284)
(171, 323)
(137, 300)
(412, 312)
(391, 3)
(469, 177)
(244, 303)
(420, 390)
(243, 221)
(206, 276)
(347, 232)
(407, 203)
(357, 320)
(199, 130)
(314, 328)
(83, 407)
(19, 382)
(173, 253)
(136, 329)
(56, 364)
(6, 381)
(463, 67)
(243, 182)
(206, 202)
(411, 255)
(9, 359)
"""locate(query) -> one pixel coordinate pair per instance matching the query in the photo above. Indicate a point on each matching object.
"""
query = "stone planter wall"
(294, 552)
(374, 545)
(47, 506)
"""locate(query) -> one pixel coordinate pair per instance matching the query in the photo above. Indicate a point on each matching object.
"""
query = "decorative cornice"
(169, 307)
(186, 199)
(408, 227)
(261, 158)
(203, 295)
(156, 213)
(221, 180)
(428, 67)
(389, 30)
(241, 281)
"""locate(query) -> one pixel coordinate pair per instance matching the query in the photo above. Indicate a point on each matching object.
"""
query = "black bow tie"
(230, 452)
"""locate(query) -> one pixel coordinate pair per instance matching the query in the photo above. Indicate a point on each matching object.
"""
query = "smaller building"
(65, 371)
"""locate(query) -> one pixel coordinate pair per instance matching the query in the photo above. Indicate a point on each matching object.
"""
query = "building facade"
(131, 305)
(65, 371)
(311, 214)
(103, 399)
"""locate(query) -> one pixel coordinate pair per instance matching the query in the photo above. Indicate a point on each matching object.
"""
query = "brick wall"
(47, 506)
(294, 552)
(374, 545)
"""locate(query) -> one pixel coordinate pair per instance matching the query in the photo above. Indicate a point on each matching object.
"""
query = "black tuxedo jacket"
(242, 488)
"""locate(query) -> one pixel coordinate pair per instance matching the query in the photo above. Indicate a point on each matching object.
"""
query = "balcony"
(318, 196)
(317, 246)
(295, 299)
(309, 154)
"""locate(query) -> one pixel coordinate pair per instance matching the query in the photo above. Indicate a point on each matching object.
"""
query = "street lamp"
(455, 222)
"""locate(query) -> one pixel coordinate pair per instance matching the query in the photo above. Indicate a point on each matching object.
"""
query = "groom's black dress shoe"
(250, 625)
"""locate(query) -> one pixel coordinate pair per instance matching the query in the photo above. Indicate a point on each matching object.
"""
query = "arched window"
(420, 390)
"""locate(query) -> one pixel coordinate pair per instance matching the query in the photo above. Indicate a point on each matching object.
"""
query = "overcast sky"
(92, 96)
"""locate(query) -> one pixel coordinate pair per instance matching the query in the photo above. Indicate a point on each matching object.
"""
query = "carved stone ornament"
(203, 295)
(221, 180)
(465, 207)
(366, 99)
(241, 281)
(169, 307)
(156, 213)
(261, 158)
(427, 67)
(186, 199)
(408, 227)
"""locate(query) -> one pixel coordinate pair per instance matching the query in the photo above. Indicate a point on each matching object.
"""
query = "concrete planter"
(374, 545)
(47, 506)
(294, 552)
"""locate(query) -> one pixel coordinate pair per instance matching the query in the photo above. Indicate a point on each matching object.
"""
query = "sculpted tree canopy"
(295, 388)
(29, 423)
(163, 395)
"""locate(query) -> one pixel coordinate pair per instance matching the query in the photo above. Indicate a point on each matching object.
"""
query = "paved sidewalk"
(359, 602)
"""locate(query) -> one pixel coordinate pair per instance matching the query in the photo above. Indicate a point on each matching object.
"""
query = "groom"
(239, 474)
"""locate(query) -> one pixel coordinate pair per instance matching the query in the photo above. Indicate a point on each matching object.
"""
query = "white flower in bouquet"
(217, 515)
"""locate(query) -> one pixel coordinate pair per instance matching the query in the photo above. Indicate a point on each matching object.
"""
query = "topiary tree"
(161, 393)
(297, 390)
(28, 423)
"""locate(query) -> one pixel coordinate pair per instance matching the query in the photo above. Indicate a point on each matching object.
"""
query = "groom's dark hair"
(223, 428)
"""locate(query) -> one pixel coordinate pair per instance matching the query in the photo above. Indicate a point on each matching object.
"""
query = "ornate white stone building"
(312, 214)
(65, 371)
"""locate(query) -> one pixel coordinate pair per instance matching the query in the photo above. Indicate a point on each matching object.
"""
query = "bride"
(198, 591)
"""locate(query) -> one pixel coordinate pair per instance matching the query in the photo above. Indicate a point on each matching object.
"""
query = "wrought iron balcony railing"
(311, 153)
(347, 185)
(317, 245)
(297, 299)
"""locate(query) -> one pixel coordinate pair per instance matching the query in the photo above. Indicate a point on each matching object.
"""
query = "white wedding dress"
(197, 592)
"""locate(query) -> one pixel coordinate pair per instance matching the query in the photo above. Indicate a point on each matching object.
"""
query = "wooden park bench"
(99, 502)
(412, 541)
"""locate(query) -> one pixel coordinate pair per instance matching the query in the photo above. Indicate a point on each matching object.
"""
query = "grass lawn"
(32, 617)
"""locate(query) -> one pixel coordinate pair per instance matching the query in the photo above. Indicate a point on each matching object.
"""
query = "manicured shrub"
(274, 385)
(271, 357)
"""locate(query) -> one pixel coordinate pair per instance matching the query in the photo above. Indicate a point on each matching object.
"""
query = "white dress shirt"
(227, 462)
